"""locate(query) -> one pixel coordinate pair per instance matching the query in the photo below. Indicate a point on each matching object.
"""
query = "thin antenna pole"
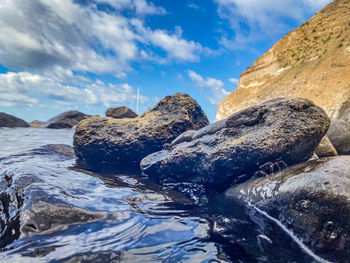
(137, 101)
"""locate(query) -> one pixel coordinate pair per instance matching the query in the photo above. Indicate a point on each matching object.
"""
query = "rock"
(108, 144)
(36, 124)
(325, 148)
(309, 62)
(34, 202)
(120, 113)
(339, 135)
(65, 120)
(7, 120)
(287, 130)
(311, 199)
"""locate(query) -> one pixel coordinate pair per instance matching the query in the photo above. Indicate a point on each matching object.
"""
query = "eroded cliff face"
(313, 62)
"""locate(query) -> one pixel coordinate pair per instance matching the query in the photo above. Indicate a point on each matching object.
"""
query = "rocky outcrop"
(7, 120)
(36, 124)
(279, 130)
(339, 135)
(312, 62)
(65, 120)
(325, 148)
(312, 200)
(120, 113)
(105, 144)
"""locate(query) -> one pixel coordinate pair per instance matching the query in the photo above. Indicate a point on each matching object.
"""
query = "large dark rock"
(120, 113)
(312, 200)
(287, 130)
(7, 120)
(106, 144)
(65, 120)
(339, 135)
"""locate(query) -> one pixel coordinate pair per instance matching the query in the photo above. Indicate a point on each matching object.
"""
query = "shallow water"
(138, 222)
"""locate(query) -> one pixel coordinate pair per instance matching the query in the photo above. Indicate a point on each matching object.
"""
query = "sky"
(59, 55)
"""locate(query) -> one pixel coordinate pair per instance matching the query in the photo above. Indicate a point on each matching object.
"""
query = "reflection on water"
(139, 222)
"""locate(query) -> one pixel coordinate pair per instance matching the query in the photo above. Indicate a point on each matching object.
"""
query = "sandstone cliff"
(313, 62)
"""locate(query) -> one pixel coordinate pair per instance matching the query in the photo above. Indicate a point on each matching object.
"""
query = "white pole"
(137, 101)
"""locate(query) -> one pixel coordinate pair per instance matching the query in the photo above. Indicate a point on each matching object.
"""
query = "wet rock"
(339, 135)
(36, 124)
(326, 148)
(65, 120)
(7, 120)
(120, 113)
(108, 144)
(31, 204)
(311, 199)
(283, 130)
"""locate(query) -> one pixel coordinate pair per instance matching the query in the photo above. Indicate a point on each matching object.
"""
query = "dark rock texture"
(326, 148)
(32, 204)
(120, 113)
(287, 130)
(339, 135)
(7, 120)
(311, 199)
(65, 120)
(108, 144)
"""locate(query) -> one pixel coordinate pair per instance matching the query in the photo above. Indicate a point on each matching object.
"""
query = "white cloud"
(24, 88)
(67, 36)
(253, 20)
(234, 81)
(213, 88)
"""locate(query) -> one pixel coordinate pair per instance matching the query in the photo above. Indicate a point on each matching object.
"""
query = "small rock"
(65, 120)
(326, 148)
(120, 113)
(7, 120)
(36, 124)
(339, 135)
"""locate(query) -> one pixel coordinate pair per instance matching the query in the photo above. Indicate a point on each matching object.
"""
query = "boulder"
(109, 144)
(310, 201)
(36, 124)
(7, 120)
(65, 120)
(286, 131)
(326, 148)
(120, 113)
(339, 135)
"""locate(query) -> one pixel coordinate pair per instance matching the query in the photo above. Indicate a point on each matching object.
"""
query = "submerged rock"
(65, 120)
(120, 113)
(32, 204)
(7, 120)
(339, 135)
(325, 148)
(311, 199)
(105, 144)
(287, 130)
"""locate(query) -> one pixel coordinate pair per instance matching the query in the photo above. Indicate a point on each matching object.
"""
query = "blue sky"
(58, 55)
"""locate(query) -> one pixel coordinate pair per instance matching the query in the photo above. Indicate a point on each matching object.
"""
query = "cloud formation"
(211, 87)
(254, 20)
(66, 36)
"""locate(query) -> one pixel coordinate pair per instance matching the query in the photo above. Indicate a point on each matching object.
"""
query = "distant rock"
(65, 120)
(339, 135)
(36, 124)
(7, 120)
(279, 130)
(326, 148)
(312, 61)
(105, 144)
(120, 113)
(312, 200)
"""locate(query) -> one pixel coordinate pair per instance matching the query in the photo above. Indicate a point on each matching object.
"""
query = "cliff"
(313, 62)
